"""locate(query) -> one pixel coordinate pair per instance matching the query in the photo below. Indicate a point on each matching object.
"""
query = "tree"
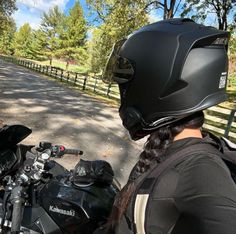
(7, 37)
(103, 8)
(7, 7)
(221, 9)
(6, 10)
(38, 44)
(72, 36)
(117, 20)
(23, 41)
(168, 7)
(232, 45)
(51, 26)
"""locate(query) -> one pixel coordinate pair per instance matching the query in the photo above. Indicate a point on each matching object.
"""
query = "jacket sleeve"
(206, 198)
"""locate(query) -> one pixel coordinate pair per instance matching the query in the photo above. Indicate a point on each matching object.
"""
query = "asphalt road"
(63, 115)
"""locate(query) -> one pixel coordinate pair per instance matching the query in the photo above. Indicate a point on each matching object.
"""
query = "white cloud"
(154, 17)
(44, 5)
(21, 18)
(30, 11)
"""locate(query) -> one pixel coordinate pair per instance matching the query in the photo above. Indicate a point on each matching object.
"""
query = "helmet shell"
(180, 67)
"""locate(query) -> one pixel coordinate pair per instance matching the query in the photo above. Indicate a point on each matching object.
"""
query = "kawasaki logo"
(61, 211)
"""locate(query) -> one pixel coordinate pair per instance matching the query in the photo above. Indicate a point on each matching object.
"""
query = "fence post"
(95, 85)
(76, 75)
(62, 71)
(230, 121)
(108, 90)
(56, 74)
(84, 84)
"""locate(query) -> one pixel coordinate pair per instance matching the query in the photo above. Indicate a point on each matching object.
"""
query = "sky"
(31, 11)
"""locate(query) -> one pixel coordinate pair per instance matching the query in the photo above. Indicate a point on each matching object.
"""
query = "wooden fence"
(84, 81)
(219, 120)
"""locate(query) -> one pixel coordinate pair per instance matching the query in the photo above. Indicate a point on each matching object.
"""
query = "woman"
(168, 73)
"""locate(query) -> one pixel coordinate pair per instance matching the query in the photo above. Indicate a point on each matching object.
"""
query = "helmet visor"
(118, 69)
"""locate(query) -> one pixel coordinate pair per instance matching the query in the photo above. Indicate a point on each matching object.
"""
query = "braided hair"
(154, 151)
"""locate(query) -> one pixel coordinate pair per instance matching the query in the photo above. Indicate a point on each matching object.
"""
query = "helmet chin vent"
(131, 117)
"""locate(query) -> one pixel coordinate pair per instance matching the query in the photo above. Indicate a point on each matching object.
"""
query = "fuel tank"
(77, 209)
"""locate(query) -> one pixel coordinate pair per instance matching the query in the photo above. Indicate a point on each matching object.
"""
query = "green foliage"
(75, 27)
(7, 7)
(38, 44)
(23, 42)
(51, 26)
(221, 10)
(120, 18)
(232, 45)
(72, 36)
(6, 37)
(7, 25)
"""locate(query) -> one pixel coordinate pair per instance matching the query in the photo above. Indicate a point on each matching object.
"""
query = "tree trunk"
(67, 65)
(224, 19)
(170, 13)
(165, 10)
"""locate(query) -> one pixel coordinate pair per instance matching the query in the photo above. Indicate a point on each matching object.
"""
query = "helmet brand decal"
(55, 209)
(223, 79)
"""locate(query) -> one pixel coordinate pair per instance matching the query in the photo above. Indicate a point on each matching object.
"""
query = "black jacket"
(196, 196)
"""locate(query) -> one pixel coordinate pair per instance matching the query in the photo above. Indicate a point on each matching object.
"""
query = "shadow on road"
(63, 115)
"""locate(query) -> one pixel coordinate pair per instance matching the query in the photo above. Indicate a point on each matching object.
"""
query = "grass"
(62, 64)
(231, 91)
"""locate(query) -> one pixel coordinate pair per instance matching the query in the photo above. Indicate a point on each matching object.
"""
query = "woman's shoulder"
(200, 172)
(204, 173)
(201, 159)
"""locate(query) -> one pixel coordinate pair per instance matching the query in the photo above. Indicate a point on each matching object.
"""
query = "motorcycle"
(38, 195)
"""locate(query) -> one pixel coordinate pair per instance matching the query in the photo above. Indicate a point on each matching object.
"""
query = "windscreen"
(11, 135)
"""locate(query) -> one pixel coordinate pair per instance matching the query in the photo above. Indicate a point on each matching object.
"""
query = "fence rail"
(218, 120)
(221, 121)
(84, 81)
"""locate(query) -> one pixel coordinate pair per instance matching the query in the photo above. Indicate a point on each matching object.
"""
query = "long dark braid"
(154, 151)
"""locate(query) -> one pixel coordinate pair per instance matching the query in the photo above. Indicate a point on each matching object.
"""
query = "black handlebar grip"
(73, 151)
(16, 216)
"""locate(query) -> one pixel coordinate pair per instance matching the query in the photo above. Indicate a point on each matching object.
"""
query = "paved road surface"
(66, 116)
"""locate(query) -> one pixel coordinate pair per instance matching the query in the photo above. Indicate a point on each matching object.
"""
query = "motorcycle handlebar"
(16, 217)
(17, 201)
(73, 151)
(60, 150)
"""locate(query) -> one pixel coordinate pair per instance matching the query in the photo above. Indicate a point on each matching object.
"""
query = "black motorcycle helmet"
(167, 71)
